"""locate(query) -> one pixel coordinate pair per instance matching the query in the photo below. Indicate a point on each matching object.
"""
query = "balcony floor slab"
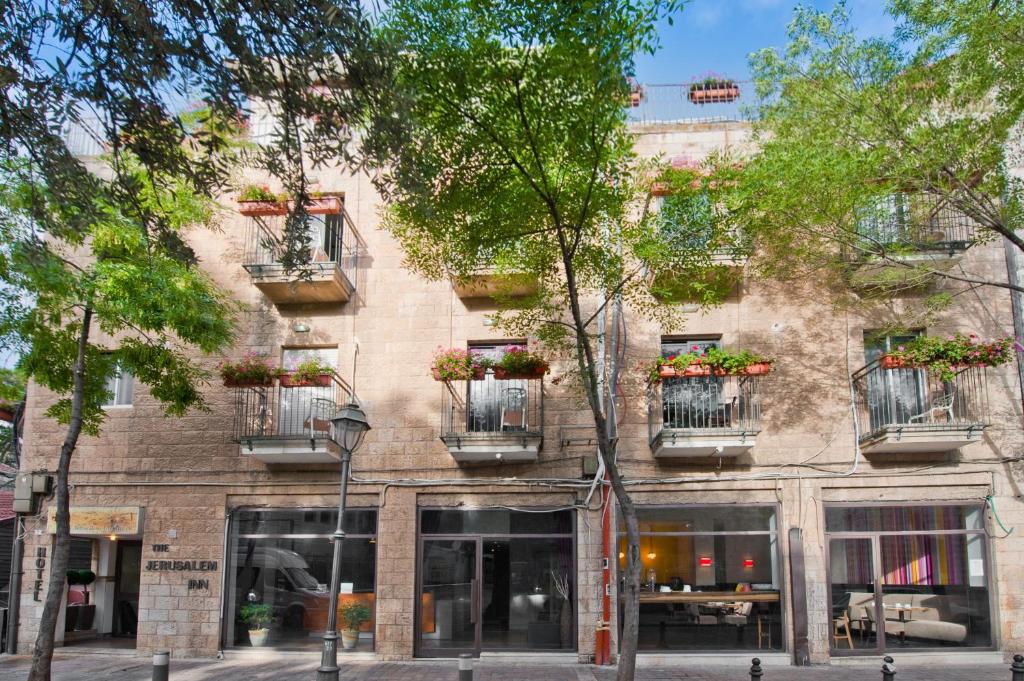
(680, 443)
(908, 439)
(483, 447)
(291, 450)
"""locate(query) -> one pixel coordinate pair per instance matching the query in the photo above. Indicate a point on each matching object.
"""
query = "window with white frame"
(120, 388)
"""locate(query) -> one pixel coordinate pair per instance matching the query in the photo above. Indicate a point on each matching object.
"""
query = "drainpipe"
(14, 594)
(603, 640)
(1016, 306)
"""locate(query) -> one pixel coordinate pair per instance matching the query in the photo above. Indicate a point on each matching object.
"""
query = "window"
(497, 406)
(120, 388)
(908, 576)
(307, 409)
(893, 396)
(710, 578)
(282, 558)
(696, 402)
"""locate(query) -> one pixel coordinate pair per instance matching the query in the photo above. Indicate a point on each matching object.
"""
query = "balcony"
(902, 236)
(335, 246)
(289, 425)
(704, 416)
(493, 420)
(908, 410)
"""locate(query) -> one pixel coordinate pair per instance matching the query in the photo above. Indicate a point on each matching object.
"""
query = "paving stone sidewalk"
(130, 668)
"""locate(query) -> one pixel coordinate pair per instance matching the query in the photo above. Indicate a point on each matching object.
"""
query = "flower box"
(505, 375)
(660, 189)
(7, 414)
(478, 374)
(319, 381)
(247, 383)
(714, 94)
(262, 208)
(697, 370)
(890, 362)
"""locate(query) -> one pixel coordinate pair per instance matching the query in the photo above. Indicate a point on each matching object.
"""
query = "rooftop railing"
(663, 104)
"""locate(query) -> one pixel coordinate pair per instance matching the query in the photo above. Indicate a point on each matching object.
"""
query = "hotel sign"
(95, 521)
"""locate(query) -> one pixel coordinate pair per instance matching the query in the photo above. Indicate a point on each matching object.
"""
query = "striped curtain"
(923, 559)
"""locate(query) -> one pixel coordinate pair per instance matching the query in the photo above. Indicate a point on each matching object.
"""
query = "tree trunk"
(42, 652)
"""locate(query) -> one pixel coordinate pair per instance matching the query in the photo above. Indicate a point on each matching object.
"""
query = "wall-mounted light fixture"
(705, 561)
(299, 327)
(748, 562)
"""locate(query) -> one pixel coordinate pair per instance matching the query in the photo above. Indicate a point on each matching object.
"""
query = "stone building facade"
(800, 527)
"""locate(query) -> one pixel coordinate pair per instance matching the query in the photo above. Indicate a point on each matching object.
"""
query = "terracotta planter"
(503, 375)
(321, 381)
(697, 370)
(710, 95)
(246, 383)
(635, 98)
(889, 362)
(757, 369)
(259, 208)
(660, 189)
(6, 414)
(318, 206)
(349, 638)
(479, 373)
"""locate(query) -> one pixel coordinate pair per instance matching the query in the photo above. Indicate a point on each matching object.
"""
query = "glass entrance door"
(449, 616)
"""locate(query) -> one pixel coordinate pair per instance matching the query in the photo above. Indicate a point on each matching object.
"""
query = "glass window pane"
(902, 518)
(495, 522)
(709, 592)
(934, 591)
(292, 576)
(320, 521)
(723, 518)
(852, 582)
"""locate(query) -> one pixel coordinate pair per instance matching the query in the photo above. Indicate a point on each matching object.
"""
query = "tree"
(512, 152)
(12, 399)
(849, 127)
(162, 87)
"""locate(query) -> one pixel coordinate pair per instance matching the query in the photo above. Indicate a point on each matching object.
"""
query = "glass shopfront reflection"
(281, 558)
(710, 578)
(499, 580)
(908, 577)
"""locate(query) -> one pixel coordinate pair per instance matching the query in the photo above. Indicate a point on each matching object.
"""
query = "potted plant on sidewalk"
(258, 617)
(312, 372)
(353, 615)
(252, 371)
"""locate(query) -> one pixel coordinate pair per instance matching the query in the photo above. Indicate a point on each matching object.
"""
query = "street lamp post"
(350, 426)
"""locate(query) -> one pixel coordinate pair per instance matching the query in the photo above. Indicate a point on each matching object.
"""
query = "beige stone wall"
(187, 473)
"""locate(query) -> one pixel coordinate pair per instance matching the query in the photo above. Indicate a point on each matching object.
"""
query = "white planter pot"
(349, 638)
(258, 637)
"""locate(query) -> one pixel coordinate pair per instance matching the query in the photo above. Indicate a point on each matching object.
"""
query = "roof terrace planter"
(714, 91)
(289, 425)
(6, 413)
(493, 420)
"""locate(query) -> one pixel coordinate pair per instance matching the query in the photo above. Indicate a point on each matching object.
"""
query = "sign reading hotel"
(94, 521)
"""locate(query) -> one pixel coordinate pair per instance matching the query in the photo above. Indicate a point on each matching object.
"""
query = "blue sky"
(715, 36)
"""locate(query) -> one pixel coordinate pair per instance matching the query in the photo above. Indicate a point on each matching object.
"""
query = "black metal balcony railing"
(916, 222)
(711, 405)
(288, 413)
(913, 399)
(492, 407)
(335, 243)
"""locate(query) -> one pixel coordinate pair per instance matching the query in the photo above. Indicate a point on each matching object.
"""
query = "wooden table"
(647, 597)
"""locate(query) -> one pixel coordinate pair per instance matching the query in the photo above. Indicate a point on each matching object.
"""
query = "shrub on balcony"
(713, 362)
(948, 355)
(260, 192)
(519, 362)
(252, 371)
(714, 90)
(312, 372)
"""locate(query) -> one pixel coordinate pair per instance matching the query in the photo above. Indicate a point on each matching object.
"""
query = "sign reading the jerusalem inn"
(89, 521)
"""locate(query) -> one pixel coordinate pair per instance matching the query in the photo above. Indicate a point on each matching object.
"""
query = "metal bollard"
(1017, 668)
(466, 667)
(888, 669)
(755, 670)
(161, 665)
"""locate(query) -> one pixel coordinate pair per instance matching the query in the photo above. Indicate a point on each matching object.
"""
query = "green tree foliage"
(511, 153)
(854, 131)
